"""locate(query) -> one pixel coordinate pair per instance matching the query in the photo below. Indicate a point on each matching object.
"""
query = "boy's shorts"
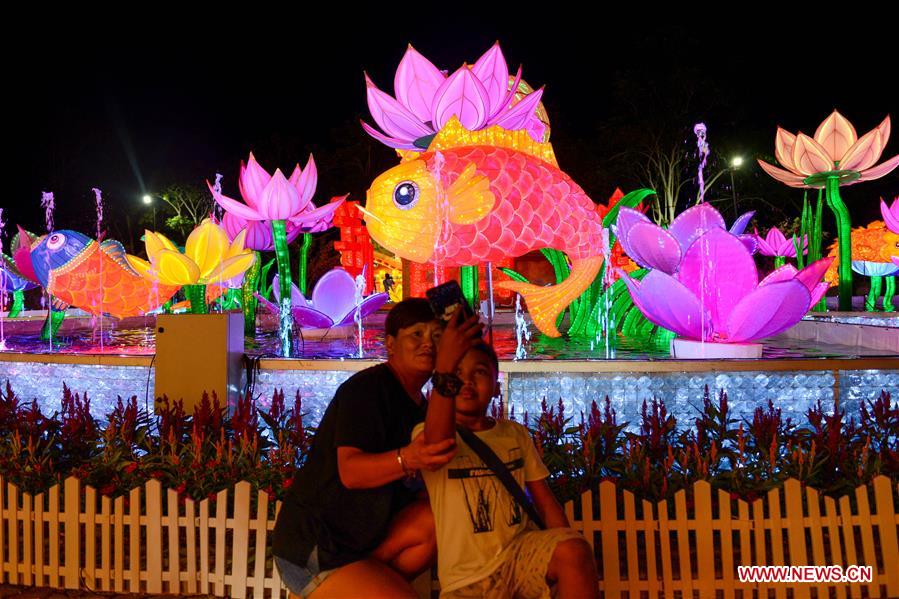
(522, 572)
(299, 580)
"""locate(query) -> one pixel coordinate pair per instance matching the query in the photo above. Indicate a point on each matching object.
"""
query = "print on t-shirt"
(484, 492)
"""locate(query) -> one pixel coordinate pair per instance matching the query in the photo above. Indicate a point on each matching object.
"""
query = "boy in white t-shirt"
(486, 544)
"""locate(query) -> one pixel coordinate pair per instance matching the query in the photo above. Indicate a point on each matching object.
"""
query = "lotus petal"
(750, 242)
(416, 83)
(390, 142)
(153, 242)
(818, 292)
(462, 95)
(510, 95)
(783, 148)
(174, 268)
(310, 218)
(767, 311)
(267, 305)
(787, 177)
(253, 179)
(764, 248)
(392, 117)
(368, 305)
(836, 135)
(238, 245)
(895, 260)
(719, 271)
(296, 298)
(812, 274)
(280, 200)
(232, 267)
(787, 272)
(206, 246)
(864, 153)
(311, 318)
(667, 303)
(234, 207)
(809, 157)
(882, 169)
(305, 181)
(890, 215)
(740, 224)
(651, 246)
(520, 115)
(695, 221)
(143, 268)
(493, 72)
(335, 293)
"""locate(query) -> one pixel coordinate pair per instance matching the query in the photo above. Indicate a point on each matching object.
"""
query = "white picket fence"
(155, 543)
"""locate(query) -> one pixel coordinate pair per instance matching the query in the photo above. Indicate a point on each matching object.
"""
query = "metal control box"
(197, 353)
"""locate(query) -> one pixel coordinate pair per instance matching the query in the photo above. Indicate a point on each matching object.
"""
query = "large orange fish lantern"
(481, 196)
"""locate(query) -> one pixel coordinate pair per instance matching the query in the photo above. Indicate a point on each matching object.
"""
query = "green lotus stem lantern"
(888, 293)
(844, 240)
(52, 323)
(834, 157)
(874, 293)
(18, 302)
(469, 283)
(304, 260)
(285, 320)
(248, 291)
(196, 295)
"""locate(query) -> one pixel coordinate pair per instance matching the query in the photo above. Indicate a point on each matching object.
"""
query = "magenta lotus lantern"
(705, 287)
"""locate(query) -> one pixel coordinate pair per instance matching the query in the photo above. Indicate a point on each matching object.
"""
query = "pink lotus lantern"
(274, 197)
(777, 245)
(704, 285)
(426, 99)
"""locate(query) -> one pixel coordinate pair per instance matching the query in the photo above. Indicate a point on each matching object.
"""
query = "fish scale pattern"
(97, 284)
(537, 206)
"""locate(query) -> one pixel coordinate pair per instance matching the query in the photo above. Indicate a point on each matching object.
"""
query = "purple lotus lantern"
(704, 284)
(426, 99)
(333, 302)
(666, 247)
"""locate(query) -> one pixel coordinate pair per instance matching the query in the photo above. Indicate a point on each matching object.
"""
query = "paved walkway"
(8, 591)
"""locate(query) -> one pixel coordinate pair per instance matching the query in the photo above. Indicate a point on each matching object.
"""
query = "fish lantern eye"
(56, 241)
(405, 194)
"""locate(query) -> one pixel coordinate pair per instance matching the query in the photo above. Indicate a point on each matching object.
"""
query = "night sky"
(160, 99)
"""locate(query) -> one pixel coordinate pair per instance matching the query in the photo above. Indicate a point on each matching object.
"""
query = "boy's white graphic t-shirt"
(476, 517)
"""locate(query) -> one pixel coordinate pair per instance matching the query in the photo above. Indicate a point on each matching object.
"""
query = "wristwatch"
(446, 384)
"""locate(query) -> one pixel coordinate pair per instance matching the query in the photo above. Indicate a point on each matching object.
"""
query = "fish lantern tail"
(546, 303)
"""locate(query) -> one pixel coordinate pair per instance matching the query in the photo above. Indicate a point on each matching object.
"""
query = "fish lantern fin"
(546, 303)
(455, 135)
(407, 155)
(470, 197)
(116, 251)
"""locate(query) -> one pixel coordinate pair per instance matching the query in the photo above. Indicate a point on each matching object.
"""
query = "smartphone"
(445, 299)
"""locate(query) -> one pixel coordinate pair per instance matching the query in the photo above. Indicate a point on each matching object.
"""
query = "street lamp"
(735, 163)
(148, 200)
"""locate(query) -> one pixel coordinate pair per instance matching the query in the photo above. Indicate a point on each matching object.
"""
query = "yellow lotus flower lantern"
(207, 259)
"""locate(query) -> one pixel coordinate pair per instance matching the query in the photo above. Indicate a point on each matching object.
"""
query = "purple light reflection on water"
(344, 345)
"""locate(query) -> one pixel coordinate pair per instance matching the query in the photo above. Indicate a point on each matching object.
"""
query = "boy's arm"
(547, 505)
(458, 337)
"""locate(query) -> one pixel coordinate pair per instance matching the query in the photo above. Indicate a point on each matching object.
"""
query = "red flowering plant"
(202, 453)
